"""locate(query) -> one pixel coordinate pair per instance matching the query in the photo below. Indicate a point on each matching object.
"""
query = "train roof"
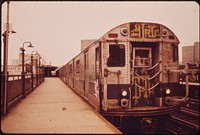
(137, 32)
(141, 32)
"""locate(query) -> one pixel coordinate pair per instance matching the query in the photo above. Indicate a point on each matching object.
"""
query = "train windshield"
(116, 55)
(142, 57)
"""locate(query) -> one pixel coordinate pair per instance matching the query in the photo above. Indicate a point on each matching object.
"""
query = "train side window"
(70, 68)
(116, 55)
(175, 53)
(78, 66)
(86, 61)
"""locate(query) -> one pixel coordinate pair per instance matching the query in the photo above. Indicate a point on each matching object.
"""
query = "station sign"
(141, 30)
(17, 69)
(14, 70)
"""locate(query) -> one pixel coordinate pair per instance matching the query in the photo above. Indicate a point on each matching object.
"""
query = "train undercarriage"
(141, 120)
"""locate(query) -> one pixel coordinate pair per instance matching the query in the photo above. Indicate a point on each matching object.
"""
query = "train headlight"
(165, 32)
(124, 31)
(124, 102)
(167, 91)
(124, 93)
(168, 100)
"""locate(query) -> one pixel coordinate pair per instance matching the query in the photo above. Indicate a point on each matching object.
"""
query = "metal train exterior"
(126, 71)
(193, 83)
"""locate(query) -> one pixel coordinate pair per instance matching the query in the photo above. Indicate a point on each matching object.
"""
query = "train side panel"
(91, 86)
(79, 74)
(82, 72)
(71, 73)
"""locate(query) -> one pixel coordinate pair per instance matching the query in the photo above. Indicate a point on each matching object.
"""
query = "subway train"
(131, 71)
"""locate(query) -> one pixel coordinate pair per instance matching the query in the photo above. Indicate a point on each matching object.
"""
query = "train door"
(73, 81)
(86, 74)
(71, 74)
(116, 68)
(98, 89)
(142, 61)
(97, 63)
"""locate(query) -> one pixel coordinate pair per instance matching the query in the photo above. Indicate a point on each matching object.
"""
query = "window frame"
(143, 59)
(122, 63)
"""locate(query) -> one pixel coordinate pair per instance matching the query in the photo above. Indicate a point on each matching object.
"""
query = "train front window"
(116, 55)
(142, 57)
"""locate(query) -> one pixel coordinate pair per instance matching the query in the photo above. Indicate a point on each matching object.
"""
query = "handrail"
(155, 75)
(153, 86)
(149, 88)
(140, 76)
(154, 65)
(139, 86)
(149, 78)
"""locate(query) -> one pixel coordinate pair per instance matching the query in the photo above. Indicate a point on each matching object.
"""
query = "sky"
(56, 28)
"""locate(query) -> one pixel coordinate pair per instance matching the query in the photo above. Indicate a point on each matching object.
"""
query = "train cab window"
(142, 57)
(175, 53)
(78, 66)
(116, 55)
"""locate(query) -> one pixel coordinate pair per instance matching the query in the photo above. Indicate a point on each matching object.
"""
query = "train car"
(125, 73)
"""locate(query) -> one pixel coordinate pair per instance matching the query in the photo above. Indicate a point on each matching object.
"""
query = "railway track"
(185, 121)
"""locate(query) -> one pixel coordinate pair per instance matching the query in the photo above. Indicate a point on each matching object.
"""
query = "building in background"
(196, 53)
(15, 62)
(190, 54)
(16, 67)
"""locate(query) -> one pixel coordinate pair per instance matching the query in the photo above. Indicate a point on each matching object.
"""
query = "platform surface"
(55, 108)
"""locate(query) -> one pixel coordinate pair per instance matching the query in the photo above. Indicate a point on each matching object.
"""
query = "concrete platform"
(55, 108)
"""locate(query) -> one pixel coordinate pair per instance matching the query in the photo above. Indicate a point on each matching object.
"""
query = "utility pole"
(5, 63)
(5, 60)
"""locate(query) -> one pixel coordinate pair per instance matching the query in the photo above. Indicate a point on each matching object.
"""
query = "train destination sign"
(139, 30)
